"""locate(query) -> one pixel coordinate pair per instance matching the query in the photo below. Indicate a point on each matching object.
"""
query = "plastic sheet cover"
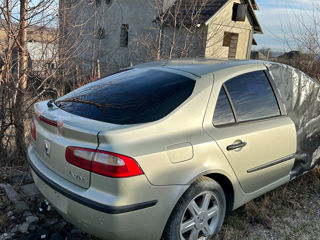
(301, 97)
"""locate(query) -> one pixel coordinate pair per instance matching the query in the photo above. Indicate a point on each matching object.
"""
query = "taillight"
(104, 163)
(115, 165)
(33, 129)
(80, 157)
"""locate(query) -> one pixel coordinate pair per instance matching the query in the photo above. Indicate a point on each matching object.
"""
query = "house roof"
(254, 42)
(256, 25)
(193, 12)
(254, 4)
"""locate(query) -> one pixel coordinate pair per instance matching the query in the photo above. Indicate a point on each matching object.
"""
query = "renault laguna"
(165, 149)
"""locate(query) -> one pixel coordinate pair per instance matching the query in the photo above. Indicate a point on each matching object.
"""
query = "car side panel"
(268, 141)
(268, 155)
(207, 158)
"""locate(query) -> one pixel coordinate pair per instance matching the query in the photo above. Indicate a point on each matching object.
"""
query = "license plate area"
(55, 198)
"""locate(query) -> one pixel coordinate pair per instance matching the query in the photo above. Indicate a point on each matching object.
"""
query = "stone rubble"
(14, 197)
(30, 217)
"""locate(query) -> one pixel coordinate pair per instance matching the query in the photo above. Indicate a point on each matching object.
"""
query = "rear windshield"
(130, 97)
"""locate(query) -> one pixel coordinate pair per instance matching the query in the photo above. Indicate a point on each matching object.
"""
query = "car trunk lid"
(55, 131)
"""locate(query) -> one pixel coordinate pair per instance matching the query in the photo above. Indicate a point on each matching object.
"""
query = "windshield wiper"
(98, 105)
(80, 101)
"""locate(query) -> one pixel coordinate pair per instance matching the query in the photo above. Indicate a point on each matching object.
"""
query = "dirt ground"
(289, 212)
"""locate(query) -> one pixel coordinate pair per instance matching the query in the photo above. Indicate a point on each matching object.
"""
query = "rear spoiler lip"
(69, 120)
(44, 116)
(48, 121)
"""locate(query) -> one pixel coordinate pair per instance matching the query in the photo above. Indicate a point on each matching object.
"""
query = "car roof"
(199, 66)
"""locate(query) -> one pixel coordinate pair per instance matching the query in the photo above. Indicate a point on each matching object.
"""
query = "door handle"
(236, 146)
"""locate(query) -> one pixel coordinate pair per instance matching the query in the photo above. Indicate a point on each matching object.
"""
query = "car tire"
(199, 213)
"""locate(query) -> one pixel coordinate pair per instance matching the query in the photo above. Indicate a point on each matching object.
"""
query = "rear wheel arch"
(222, 180)
(227, 187)
(203, 185)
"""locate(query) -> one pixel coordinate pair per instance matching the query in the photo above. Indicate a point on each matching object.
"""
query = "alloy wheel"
(200, 218)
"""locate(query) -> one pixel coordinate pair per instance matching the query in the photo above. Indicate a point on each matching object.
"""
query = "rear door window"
(252, 96)
(223, 113)
(130, 97)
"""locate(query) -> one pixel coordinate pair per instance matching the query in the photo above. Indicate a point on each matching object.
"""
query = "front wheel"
(199, 213)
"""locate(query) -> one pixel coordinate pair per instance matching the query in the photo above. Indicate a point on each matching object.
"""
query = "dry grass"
(279, 202)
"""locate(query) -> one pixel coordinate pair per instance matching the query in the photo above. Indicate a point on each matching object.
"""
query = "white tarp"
(301, 97)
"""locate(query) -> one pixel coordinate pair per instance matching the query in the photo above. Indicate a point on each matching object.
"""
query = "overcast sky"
(275, 16)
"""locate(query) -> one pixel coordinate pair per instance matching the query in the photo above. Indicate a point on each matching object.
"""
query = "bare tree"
(40, 60)
(180, 30)
(25, 24)
(22, 78)
(304, 40)
(82, 29)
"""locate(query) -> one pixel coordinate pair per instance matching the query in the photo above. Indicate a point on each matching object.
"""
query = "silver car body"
(172, 152)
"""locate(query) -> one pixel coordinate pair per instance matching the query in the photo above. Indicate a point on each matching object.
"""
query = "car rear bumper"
(106, 215)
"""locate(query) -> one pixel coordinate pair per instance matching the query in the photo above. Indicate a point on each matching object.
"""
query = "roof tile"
(192, 12)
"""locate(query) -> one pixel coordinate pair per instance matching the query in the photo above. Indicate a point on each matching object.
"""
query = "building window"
(239, 12)
(124, 35)
(231, 40)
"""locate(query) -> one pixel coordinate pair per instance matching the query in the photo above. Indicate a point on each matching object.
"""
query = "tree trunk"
(62, 46)
(22, 81)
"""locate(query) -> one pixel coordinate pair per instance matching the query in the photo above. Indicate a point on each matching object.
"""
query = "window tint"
(223, 113)
(252, 96)
(129, 97)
